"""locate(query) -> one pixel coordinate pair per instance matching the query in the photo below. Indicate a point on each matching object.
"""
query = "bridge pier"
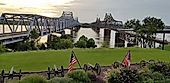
(101, 35)
(126, 44)
(112, 39)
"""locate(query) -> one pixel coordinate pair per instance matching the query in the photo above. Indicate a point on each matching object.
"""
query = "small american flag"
(126, 61)
(72, 62)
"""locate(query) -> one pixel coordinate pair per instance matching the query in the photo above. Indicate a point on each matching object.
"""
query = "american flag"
(72, 62)
(126, 60)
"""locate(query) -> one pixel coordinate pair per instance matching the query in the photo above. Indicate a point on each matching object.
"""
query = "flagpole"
(77, 59)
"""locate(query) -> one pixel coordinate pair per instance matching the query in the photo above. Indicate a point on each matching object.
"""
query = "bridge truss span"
(12, 24)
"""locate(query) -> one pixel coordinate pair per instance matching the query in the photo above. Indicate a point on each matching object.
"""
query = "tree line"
(146, 28)
(53, 42)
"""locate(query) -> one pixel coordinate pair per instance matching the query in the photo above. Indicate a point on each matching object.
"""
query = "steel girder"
(26, 22)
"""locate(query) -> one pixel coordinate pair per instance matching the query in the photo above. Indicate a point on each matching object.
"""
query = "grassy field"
(40, 60)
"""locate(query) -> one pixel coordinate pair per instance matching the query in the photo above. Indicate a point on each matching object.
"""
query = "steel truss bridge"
(16, 27)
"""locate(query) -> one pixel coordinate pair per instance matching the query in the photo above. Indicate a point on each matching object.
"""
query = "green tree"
(2, 48)
(91, 43)
(83, 38)
(145, 29)
(134, 24)
(151, 25)
(34, 34)
(63, 42)
(81, 44)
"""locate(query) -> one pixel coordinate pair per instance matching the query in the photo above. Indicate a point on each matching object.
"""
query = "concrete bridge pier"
(112, 39)
(126, 44)
(101, 36)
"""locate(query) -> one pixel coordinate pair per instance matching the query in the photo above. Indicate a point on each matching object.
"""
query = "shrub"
(113, 77)
(61, 80)
(105, 45)
(66, 43)
(91, 43)
(124, 76)
(63, 42)
(2, 48)
(157, 76)
(33, 79)
(85, 43)
(91, 75)
(34, 34)
(144, 74)
(81, 44)
(79, 76)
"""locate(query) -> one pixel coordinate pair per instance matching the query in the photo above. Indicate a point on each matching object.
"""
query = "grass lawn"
(40, 60)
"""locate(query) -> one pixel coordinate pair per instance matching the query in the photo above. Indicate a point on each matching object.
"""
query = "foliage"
(91, 75)
(149, 26)
(125, 76)
(152, 24)
(152, 72)
(83, 38)
(2, 48)
(33, 79)
(91, 43)
(134, 24)
(63, 42)
(81, 44)
(157, 76)
(105, 45)
(34, 34)
(145, 29)
(61, 80)
(79, 76)
(25, 45)
(66, 37)
(84, 42)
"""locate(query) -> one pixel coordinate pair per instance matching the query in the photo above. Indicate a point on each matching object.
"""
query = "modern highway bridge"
(16, 27)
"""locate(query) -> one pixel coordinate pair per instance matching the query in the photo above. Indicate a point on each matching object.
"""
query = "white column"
(112, 39)
(101, 36)
(126, 43)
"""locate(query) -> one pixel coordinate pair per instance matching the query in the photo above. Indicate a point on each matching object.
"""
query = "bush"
(33, 79)
(79, 76)
(123, 76)
(66, 43)
(91, 75)
(105, 45)
(113, 77)
(91, 43)
(85, 43)
(61, 80)
(81, 44)
(144, 74)
(63, 42)
(157, 76)
(2, 48)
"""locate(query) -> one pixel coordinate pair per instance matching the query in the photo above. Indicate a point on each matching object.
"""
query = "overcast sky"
(88, 10)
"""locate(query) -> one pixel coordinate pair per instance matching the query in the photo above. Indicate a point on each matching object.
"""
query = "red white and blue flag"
(73, 61)
(126, 60)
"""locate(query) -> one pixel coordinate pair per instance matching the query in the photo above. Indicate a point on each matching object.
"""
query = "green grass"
(167, 47)
(40, 60)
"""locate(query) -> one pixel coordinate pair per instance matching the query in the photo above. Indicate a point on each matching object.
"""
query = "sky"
(88, 10)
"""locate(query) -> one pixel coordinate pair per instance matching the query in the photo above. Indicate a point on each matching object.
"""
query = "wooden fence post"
(2, 77)
(62, 71)
(48, 73)
(20, 74)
